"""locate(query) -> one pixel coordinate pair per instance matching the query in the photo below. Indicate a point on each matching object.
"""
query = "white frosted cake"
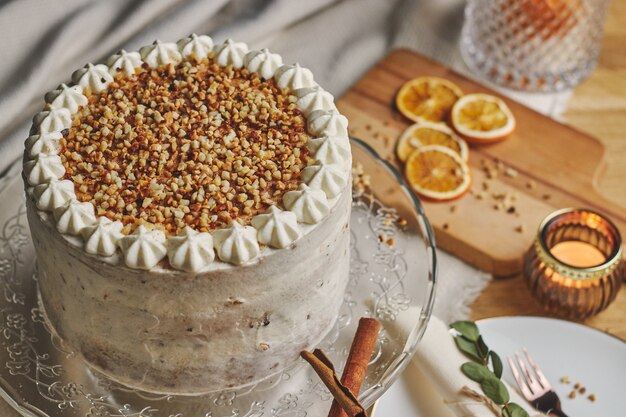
(189, 204)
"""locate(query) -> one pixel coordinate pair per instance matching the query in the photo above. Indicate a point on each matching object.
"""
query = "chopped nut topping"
(193, 144)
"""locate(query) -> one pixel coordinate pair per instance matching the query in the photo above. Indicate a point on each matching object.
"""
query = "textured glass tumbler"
(567, 290)
(533, 45)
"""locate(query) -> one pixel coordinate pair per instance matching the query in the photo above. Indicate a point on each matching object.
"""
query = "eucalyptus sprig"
(486, 368)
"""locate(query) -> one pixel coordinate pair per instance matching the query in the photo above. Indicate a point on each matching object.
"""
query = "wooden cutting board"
(556, 165)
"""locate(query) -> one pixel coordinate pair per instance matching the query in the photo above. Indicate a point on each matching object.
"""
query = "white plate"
(560, 348)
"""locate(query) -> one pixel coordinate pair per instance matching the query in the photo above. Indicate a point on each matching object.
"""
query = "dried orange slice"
(437, 173)
(482, 118)
(428, 133)
(427, 98)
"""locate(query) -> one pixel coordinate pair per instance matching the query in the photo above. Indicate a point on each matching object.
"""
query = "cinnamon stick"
(325, 370)
(356, 365)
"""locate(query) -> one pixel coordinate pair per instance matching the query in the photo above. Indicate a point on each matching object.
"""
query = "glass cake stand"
(393, 269)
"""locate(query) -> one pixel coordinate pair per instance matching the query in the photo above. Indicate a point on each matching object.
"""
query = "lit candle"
(577, 253)
(574, 266)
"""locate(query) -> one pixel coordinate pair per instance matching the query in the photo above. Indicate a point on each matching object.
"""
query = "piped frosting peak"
(294, 77)
(277, 228)
(102, 237)
(263, 62)
(126, 62)
(231, 53)
(160, 53)
(331, 179)
(144, 248)
(54, 194)
(74, 216)
(195, 46)
(43, 168)
(331, 150)
(93, 77)
(53, 120)
(327, 123)
(314, 98)
(309, 205)
(71, 98)
(236, 244)
(43, 143)
(191, 250)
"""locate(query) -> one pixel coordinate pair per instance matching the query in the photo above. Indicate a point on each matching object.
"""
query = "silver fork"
(535, 388)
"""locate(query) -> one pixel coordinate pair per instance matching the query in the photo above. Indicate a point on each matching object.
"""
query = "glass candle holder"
(574, 267)
(533, 45)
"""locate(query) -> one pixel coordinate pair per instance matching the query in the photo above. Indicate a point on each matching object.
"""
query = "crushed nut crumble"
(194, 144)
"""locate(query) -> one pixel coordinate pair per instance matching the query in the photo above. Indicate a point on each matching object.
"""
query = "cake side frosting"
(166, 330)
(326, 164)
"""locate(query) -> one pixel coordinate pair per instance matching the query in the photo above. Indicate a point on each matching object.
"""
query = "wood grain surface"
(599, 108)
(569, 167)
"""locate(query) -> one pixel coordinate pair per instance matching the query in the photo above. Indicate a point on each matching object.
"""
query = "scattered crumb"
(386, 123)
(368, 127)
(360, 180)
(402, 222)
(546, 196)
(376, 135)
(531, 184)
(520, 229)
(390, 242)
(565, 380)
(510, 172)
(485, 186)
(511, 210)
(263, 346)
(446, 226)
(576, 385)
(453, 208)
(592, 397)
(572, 395)
(582, 390)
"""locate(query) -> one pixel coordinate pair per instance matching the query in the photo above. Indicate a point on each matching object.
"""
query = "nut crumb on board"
(510, 172)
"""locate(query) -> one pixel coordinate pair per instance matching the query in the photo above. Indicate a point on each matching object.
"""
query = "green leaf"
(516, 410)
(496, 363)
(495, 390)
(483, 350)
(467, 347)
(476, 372)
(467, 328)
